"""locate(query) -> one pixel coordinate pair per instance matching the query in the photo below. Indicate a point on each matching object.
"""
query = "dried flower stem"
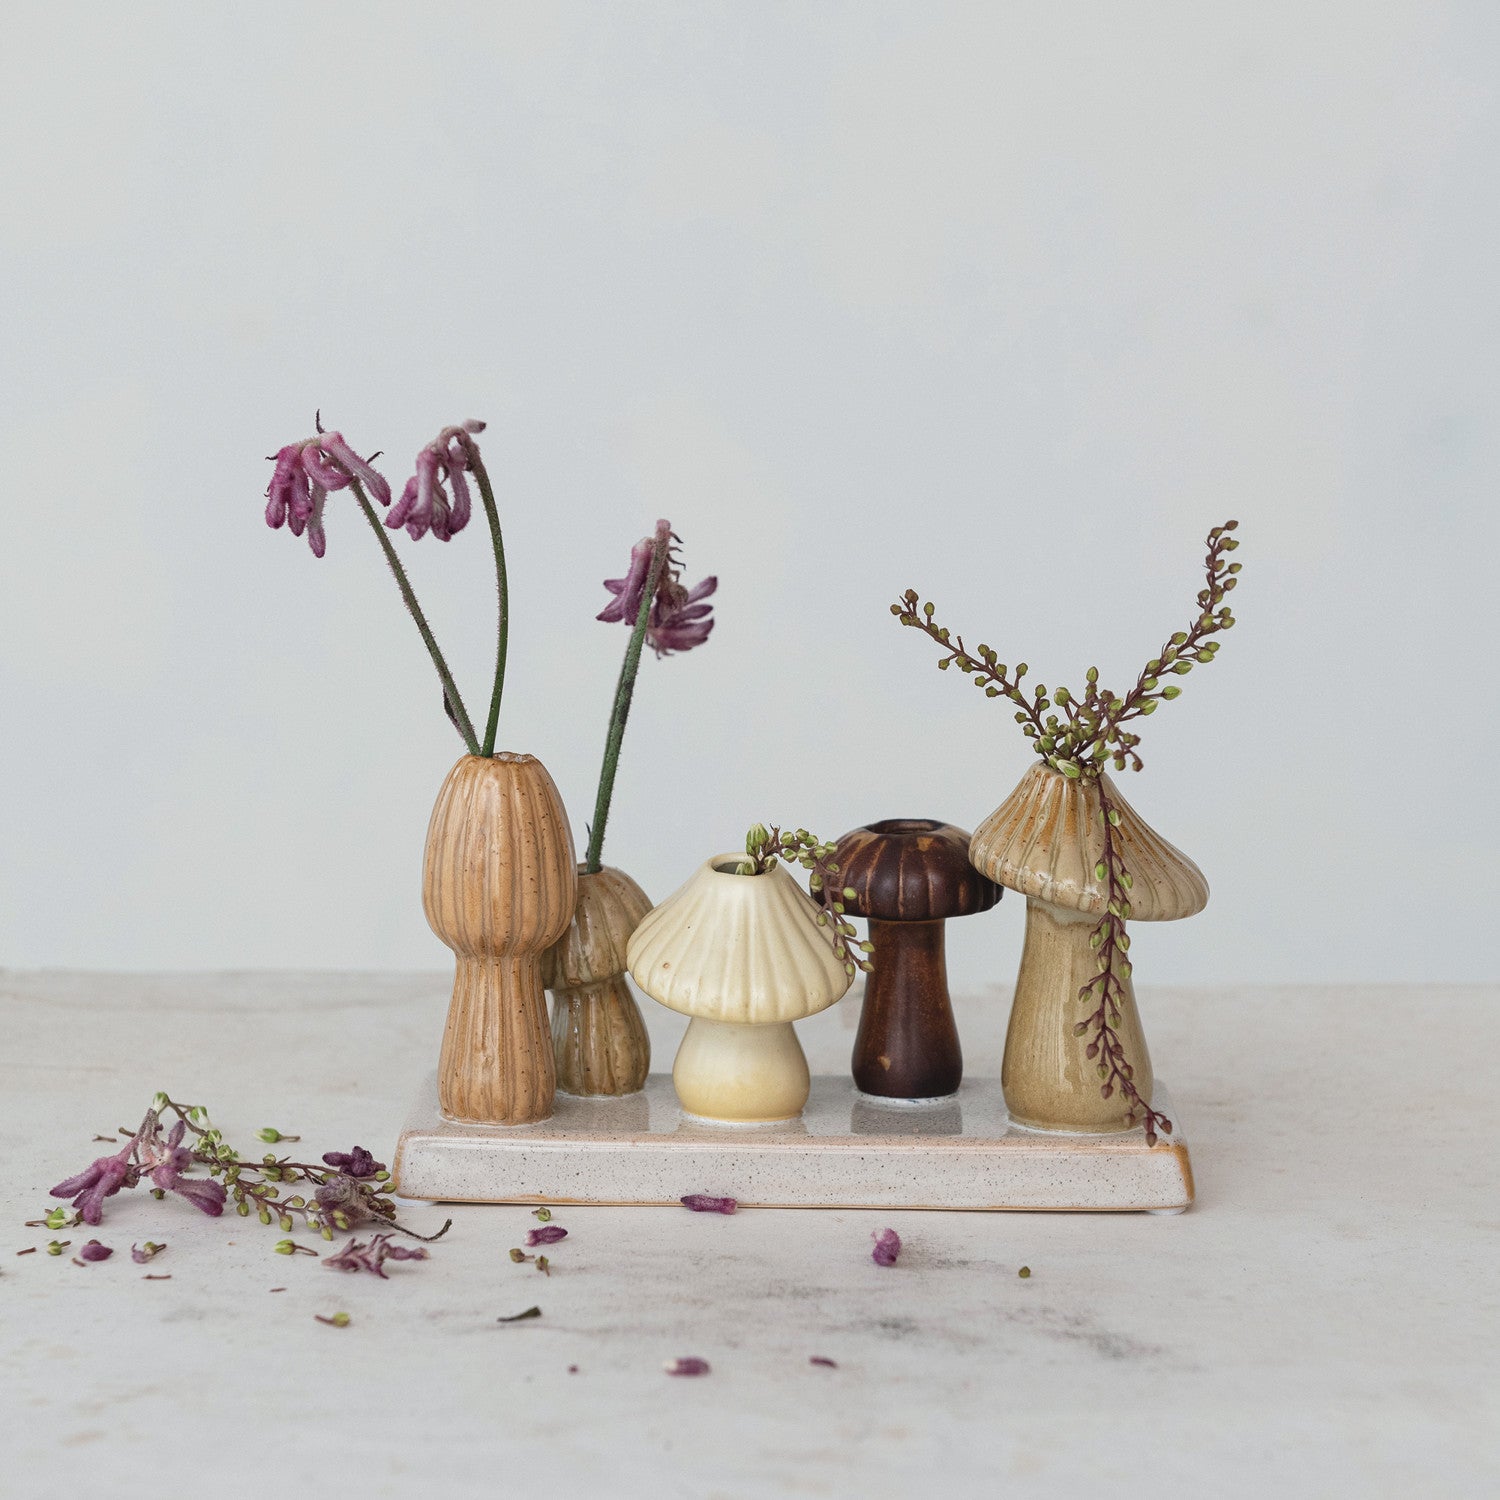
(450, 688)
(497, 541)
(620, 713)
(1112, 943)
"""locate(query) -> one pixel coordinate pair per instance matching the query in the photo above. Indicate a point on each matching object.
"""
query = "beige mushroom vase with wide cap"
(1045, 841)
(744, 956)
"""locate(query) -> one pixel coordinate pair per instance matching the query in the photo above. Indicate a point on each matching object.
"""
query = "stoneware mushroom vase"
(744, 957)
(599, 1039)
(498, 887)
(1045, 841)
(908, 876)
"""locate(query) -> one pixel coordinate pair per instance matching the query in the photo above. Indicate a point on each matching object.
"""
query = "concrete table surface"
(1322, 1322)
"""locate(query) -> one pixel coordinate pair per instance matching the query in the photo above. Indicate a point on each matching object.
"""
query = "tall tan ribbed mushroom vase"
(498, 886)
(599, 1038)
(1045, 841)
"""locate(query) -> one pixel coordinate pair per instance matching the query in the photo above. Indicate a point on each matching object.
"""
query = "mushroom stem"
(741, 1074)
(1049, 1081)
(907, 1046)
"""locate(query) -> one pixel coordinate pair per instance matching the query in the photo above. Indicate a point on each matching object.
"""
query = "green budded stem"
(460, 713)
(492, 515)
(624, 691)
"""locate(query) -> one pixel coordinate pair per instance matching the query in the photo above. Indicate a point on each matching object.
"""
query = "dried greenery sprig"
(348, 1187)
(765, 846)
(1091, 728)
(1111, 944)
(1079, 742)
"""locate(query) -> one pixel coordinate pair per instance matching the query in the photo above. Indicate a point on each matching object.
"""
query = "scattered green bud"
(340, 1320)
(285, 1247)
(541, 1214)
(56, 1247)
(1024, 1273)
(517, 1255)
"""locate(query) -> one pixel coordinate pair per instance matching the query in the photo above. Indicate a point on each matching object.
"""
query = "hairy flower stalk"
(1086, 737)
(658, 608)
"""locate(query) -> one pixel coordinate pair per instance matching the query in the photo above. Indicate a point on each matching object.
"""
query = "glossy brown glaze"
(909, 875)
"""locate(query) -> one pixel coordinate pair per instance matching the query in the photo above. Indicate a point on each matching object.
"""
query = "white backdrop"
(1005, 303)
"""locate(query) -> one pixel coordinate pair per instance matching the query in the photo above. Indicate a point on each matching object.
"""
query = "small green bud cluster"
(765, 846)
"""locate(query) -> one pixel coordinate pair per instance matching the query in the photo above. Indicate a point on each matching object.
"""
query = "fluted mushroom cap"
(1045, 839)
(608, 909)
(744, 948)
(911, 870)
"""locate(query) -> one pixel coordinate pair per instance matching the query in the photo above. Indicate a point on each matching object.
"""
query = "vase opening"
(906, 825)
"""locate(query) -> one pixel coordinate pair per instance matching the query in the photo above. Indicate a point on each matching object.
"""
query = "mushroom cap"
(1045, 839)
(608, 909)
(911, 870)
(743, 948)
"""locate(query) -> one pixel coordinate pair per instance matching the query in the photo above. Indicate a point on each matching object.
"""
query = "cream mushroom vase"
(744, 956)
(1046, 841)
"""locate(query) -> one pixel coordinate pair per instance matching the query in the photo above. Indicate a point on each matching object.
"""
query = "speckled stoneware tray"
(847, 1151)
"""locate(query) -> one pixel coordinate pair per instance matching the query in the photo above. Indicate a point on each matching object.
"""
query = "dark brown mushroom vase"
(908, 876)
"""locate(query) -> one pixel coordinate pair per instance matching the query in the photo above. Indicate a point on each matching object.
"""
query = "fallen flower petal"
(819, 1359)
(520, 1317)
(548, 1234)
(93, 1250)
(140, 1254)
(702, 1203)
(359, 1256)
(686, 1365)
(887, 1247)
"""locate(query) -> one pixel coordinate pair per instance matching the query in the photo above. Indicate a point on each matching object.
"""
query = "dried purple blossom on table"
(101, 1180)
(140, 1254)
(702, 1203)
(360, 1256)
(357, 1163)
(548, 1234)
(93, 1250)
(424, 504)
(686, 1365)
(165, 1160)
(887, 1247)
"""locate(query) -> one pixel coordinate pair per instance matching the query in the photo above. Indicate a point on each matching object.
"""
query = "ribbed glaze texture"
(912, 870)
(498, 887)
(1045, 839)
(599, 1039)
(742, 948)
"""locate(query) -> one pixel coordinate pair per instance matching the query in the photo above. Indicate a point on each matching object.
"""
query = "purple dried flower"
(548, 1234)
(168, 1160)
(688, 1364)
(358, 1256)
(105, 1177)
(887, 1247)
(355, 1163)
(93, 1250)
(679, 620)
(304, 474)
(424, 505)
(140, 1254)
(702, 1203)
